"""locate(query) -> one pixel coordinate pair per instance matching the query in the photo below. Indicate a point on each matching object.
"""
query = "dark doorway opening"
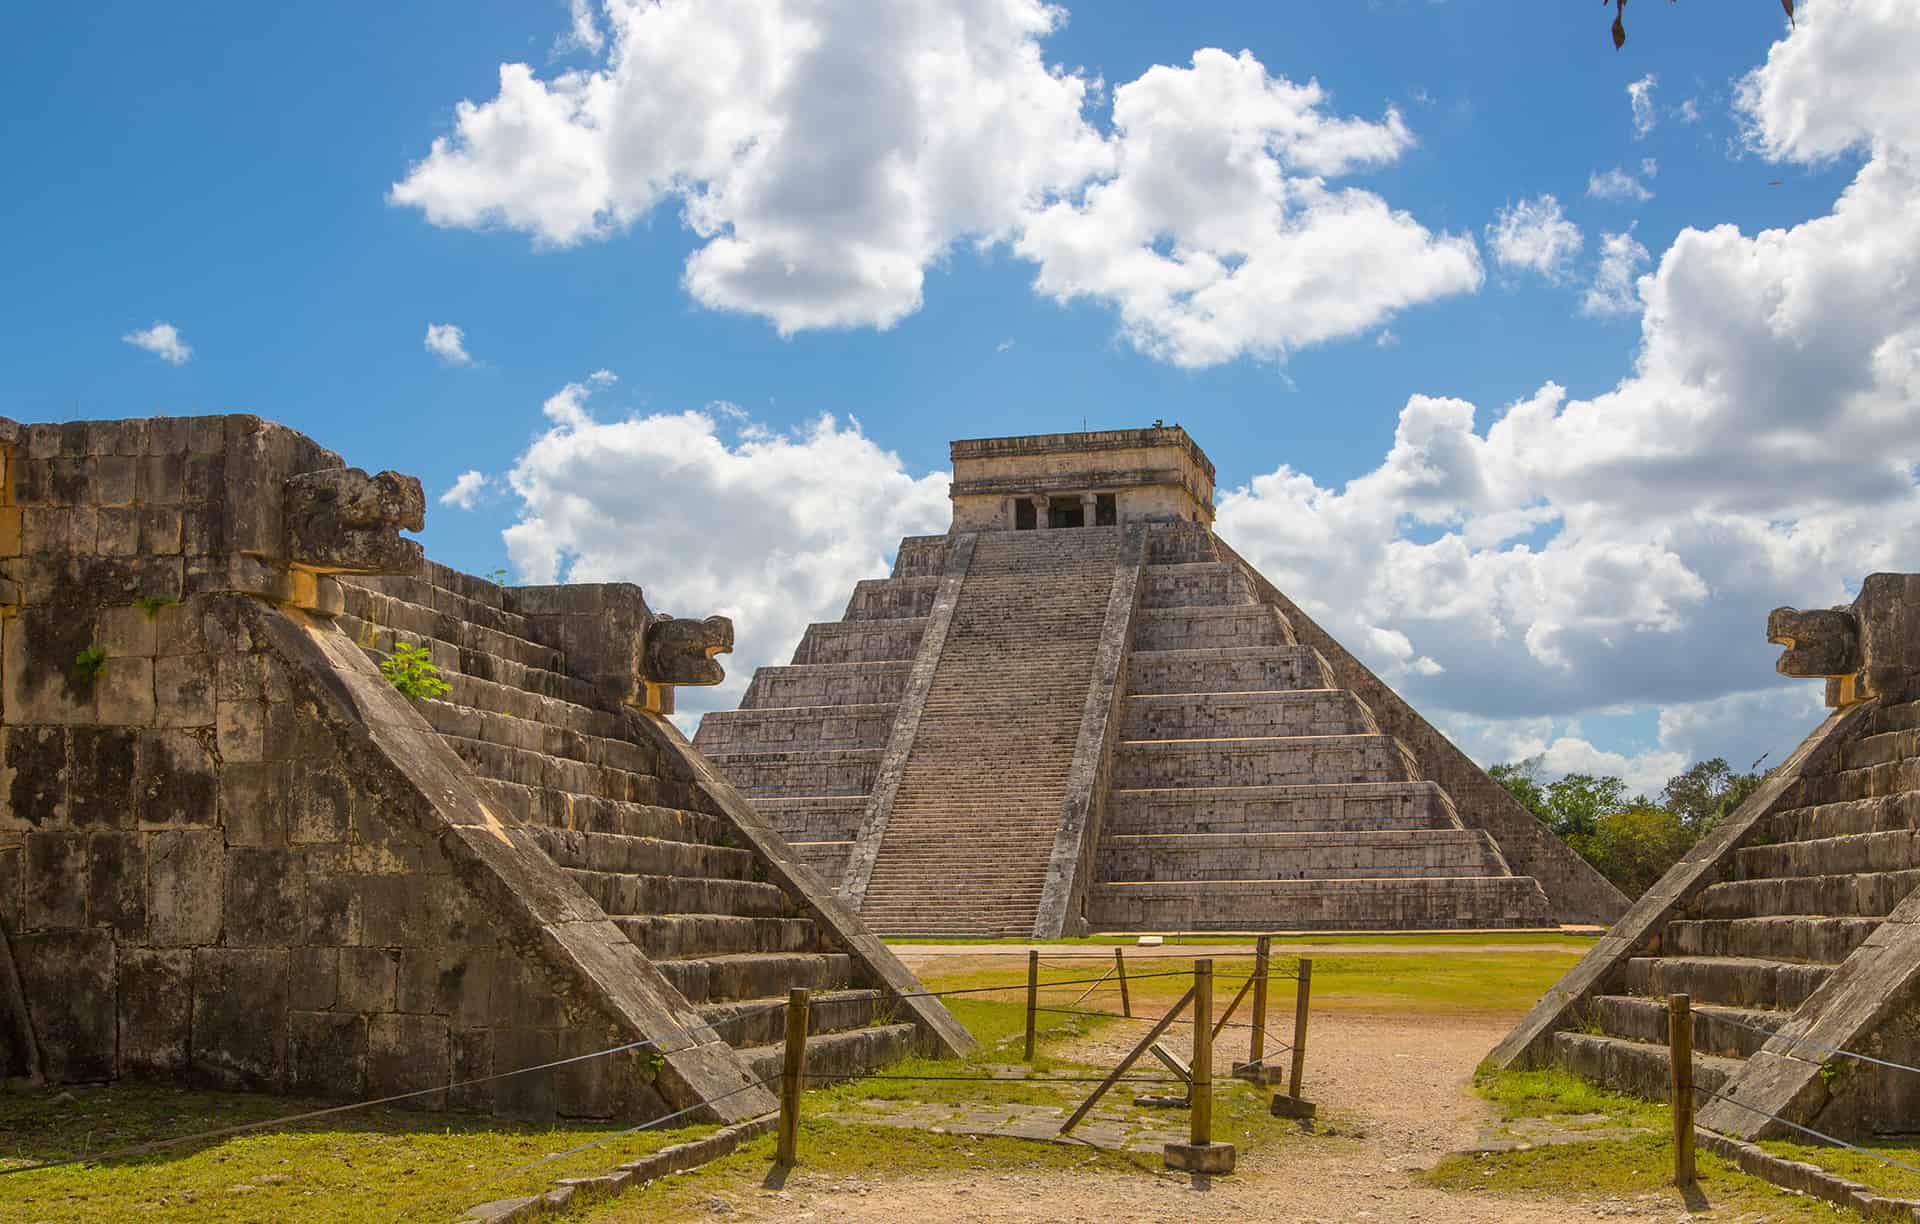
(1066, 512)
(1023, 519)
(1104, 512)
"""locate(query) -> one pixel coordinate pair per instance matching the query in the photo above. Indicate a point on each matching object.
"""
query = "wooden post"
(1033, 996)
(1680, 1059)
(1257, 1050)
(1133, 1056)
(1301, 995)
(1201, 1115)
(792, 1072)
(1120, 964)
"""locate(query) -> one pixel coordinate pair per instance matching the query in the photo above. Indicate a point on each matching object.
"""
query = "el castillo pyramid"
(1080, 710)
(1794, 925)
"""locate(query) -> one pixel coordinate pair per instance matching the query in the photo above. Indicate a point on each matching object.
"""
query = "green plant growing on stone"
(89, 663)
(498, 576)
(410, 670)
(1832, 1072)
(151, 604)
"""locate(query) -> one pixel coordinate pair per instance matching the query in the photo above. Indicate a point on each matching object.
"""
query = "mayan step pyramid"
(1079, 709)
(1794, 926)
(234, 854)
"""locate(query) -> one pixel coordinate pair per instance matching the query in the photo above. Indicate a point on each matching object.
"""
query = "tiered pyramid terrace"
(1078, 710)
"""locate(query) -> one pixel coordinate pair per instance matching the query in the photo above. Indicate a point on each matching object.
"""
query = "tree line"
(1630, 839)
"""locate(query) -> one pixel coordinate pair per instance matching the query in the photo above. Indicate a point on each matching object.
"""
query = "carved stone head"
(680, 652)
(1866, 650)
(341, 520)
(1819, 641)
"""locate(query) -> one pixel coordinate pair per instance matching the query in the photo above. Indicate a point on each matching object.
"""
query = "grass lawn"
(388, 1164)
(1330, 938)
(1636, 1166)
(1886, 1179)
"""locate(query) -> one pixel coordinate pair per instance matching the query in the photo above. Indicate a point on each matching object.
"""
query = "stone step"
(677, 812)
(1892, 851)
(520, 735)
(1901, 716)
(756, 975)
(374, 620)
(814, 817)
(537, 770)
(666, 936)
(1200, 584)
(892, 598)
(1215, 628)
(838, 1056)
(1872, 894)
(1224, 715)
(827, 684)
(1793, 937)
(1263, 761)
(637, 895)
(473, 692)
(1735, 981)
(1239, 670)
(861, 641)
(828, 771)
(1180, 545)
(614, 852)
(1870, 782)
(1298, 856)
(1429, 903)
(1334, 807)
(448, 592)
(827, 858)
(796, 727)
(753, 1022)
(921, 556)
(1635, 1067)
(1727, 1032)
(1881, 748)
(1886, 814)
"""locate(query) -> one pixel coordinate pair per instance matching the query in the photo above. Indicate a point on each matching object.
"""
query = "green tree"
(1522, 780)
(1635, 845)
(1578, 802)
(1704, 794)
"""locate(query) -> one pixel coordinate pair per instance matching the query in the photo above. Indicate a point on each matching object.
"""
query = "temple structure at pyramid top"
(1080, 710)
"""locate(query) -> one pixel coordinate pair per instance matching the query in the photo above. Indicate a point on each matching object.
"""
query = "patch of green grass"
(1572, 939)
(1639, 1168)
(1552, 1092)
(1886, 1179)
(372, 1165)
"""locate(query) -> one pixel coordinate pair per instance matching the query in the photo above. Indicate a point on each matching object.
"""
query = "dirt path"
(916, 955)
(1400, 1083)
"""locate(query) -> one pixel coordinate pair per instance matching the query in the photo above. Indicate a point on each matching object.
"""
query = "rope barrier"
(1718, 1018)
(992, 1079)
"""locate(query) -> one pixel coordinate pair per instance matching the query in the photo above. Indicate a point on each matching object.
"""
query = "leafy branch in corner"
(1620, 25)
(411, 670)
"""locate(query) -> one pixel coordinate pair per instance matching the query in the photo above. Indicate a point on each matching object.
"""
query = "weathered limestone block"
(1868, 649)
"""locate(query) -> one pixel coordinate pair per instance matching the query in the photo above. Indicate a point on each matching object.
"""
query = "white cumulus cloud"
(1616, 184)
(447, 342)
(1536, 235)
(163, 341)
(1613, 291)
(1561, 555)
(825, 156)
(464, 493)
(1640, 99)
(716, 517)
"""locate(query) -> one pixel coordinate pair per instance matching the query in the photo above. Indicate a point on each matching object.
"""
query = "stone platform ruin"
(1794, 925)
(232, 854)
(1080, 709)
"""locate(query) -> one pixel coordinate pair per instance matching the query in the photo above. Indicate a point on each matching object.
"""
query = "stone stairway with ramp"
(1793, 926)
(642, 840)
(968, 838)
(1249, 791)
(1806, 887)
(807, 741)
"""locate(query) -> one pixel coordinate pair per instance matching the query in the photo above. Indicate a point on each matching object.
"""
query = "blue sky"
(1593, 586)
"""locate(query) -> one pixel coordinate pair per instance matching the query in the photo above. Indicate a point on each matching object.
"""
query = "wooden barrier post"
(1201, 1115)
(1200, 1154)
(1033, 996)
(1257, 1050)
(1289, 1104)
(792, 1073)
(1113, 1077)
(1120, 966)
(1680, 1059)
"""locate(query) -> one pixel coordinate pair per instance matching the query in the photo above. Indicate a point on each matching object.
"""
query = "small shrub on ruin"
(89, 663)
(410, 670)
